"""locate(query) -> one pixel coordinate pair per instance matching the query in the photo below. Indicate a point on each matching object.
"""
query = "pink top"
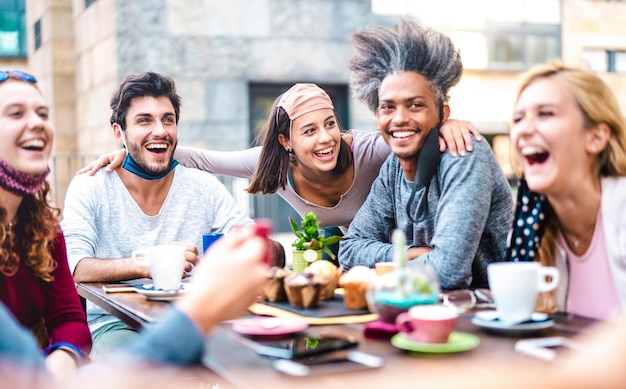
(591, 291)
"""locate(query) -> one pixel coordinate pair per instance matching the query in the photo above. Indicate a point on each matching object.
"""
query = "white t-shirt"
(102, 220)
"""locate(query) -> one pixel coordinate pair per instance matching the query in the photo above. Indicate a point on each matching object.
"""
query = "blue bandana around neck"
(529, 224)
(132, 166)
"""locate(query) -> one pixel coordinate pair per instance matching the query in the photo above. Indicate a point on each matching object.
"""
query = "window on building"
(37, 34)
(492, 34)
(12, 29)
(506, 46)
(605, 61)
(89, 3)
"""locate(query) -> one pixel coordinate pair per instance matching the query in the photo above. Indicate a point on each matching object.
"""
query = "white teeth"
(157, 146)
(530, 150)
(325, 151)
(402, 134)
(33, 144)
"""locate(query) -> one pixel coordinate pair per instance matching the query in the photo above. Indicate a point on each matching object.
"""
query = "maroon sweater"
(30, 299)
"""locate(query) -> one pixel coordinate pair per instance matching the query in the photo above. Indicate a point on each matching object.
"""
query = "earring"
(288, 149)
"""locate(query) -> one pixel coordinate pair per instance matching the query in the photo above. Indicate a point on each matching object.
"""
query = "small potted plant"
(310, 242)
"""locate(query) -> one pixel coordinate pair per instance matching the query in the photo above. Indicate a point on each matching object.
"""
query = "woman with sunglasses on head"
(306, 158)
(35, 282)
(569, 136)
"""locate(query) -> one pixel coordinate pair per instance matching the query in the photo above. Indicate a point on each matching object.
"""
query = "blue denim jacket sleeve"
(173, 340)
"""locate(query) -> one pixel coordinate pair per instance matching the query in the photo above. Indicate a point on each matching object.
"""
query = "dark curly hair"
(381, 51)
(37, 228)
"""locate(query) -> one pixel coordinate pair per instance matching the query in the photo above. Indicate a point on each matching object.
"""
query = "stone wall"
(214, 49)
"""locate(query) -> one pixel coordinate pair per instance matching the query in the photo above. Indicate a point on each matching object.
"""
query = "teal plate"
(458, 342)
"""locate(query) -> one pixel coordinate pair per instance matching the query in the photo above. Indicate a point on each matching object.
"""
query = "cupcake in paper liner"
(354, 283)
(328, 275)
(274, 288)
(303, 290)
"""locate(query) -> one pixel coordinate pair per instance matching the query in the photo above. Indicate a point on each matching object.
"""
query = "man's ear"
(598, 138)
(446, 112)
(117, 133)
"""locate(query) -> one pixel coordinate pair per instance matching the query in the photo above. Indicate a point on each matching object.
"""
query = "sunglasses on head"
(5, 74)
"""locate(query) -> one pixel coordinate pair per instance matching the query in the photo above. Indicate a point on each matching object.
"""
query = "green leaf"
(330, 253)
(331, 240)
(294, 225)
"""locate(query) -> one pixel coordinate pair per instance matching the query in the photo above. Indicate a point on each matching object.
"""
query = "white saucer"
(161, 295)
(490, 321)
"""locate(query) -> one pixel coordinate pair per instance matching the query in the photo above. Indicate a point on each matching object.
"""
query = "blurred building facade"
(231, 59)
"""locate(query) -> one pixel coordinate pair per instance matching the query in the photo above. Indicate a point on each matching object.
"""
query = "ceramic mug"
(166, 262)
(515, 286)
(431, 323)
(209, 238)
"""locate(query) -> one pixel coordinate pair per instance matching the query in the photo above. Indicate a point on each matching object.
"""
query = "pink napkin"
(379, 330)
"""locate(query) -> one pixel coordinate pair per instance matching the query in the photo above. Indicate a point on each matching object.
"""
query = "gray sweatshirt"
(470, 211)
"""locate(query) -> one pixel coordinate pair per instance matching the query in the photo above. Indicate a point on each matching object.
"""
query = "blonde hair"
(598, 104)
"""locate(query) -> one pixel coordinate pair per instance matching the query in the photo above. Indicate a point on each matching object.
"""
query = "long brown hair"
(37, 227)
(598, 104)
(272, 170)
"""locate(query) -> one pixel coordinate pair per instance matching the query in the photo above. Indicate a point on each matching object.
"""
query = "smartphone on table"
(303, 345)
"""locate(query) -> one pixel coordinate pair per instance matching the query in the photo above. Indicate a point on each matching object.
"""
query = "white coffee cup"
(166, 262)
(515, 286)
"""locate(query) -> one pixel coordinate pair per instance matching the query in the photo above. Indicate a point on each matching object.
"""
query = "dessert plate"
(161, 295)
(490, 321)
(269, 326)
(458, 341)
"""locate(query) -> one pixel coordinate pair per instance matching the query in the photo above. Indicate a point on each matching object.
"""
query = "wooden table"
(229, 357)
(132, 308)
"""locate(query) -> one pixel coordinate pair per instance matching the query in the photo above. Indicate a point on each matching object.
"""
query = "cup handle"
(544, 272)
(403, 322)
(136, 254)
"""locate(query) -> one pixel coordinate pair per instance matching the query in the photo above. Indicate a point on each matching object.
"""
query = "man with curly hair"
(455, 212)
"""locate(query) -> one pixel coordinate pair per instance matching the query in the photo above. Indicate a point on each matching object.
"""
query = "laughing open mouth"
(400, 134)
(325, 152)
(535, 154)
(33, 145)
(158, 148)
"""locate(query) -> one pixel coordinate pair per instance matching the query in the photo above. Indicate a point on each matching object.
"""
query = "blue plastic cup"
(209, 238)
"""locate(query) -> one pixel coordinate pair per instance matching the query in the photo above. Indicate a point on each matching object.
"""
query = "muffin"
(354, 283)
(303, 290)
(274, 289)
(328, 275)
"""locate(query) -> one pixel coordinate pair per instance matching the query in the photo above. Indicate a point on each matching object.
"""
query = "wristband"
(75, 352)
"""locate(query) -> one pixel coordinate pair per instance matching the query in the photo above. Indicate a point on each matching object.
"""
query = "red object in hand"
(263, 230)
